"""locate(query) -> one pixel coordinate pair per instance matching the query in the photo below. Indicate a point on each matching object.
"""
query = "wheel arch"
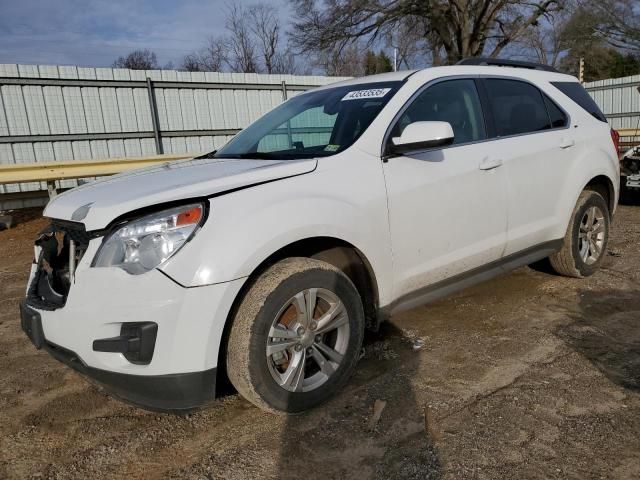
(337, 252)
(604, 186)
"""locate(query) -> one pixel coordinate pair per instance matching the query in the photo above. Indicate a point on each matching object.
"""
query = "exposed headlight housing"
(146, 243)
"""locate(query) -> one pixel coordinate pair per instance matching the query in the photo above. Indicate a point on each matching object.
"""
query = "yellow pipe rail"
(50, 171)
(628, 132)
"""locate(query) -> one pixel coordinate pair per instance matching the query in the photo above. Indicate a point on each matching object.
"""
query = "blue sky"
(96, 32)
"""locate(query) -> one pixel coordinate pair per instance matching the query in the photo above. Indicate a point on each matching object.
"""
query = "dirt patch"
(528, 376)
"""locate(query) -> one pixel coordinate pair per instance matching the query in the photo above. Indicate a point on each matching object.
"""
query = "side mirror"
(422, 135)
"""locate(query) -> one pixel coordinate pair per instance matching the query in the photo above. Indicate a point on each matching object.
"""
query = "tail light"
(615, 136)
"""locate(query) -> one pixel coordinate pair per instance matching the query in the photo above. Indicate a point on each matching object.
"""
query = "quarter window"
(578, 94)
(453, 101)
(556, 115)
(517, 107)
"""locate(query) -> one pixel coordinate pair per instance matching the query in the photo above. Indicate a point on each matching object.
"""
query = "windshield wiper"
(271, 155)
(252, 155)
(207, 155)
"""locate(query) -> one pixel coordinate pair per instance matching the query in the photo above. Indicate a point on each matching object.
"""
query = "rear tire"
(280, 357)
(585, 243)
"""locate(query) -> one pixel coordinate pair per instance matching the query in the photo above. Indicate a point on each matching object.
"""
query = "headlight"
(146, 243)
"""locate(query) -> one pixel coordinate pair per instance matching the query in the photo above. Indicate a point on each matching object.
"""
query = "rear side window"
(518, 107)
(575, 92)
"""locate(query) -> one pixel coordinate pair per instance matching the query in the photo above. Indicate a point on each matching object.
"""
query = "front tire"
(296, 336)
(585, 243)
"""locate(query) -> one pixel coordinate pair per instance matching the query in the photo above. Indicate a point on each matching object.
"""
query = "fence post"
(154, 116)
(284, 91)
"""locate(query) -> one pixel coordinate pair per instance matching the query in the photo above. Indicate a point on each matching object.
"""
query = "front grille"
(75, 231)
(63, 244)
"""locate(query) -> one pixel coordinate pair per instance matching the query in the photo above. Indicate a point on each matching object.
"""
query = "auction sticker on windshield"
(371, 93)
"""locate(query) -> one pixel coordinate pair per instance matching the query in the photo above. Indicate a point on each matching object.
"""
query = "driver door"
(447, 206)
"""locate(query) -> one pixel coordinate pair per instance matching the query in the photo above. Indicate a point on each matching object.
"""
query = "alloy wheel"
(307, 340)
(591, 235)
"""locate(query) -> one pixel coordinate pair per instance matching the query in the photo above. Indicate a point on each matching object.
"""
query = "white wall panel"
(36, 110)
(174, 112)
(110, 112)
(132, 147)
(93, 109)
(15, 110)
(143, 112)
(4, 127)
(74, 108)
(203, 115)
(127, 110)
(188, 108)
(56, 112)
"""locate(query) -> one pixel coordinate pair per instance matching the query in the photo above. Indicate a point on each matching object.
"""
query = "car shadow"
(606, 330)
(629, 197)
(340, 439)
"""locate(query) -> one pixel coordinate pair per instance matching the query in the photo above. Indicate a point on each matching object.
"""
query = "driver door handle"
(567, 143)
(490, 163)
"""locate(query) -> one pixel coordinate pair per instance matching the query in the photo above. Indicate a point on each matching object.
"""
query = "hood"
(97, 203)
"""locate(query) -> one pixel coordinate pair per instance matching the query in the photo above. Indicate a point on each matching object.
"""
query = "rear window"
(575, 92)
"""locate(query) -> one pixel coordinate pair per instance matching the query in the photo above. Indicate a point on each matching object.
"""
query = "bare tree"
(254, 43)
(242, 55)
(265, 26)
(460, 28)
(285, 62)
(211, 58)
(547, 41)
(138, 60)
(191, 63)
(618, 21)
(412, 43)
(345, 61)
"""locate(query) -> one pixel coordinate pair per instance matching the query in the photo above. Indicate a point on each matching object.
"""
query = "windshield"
(313, 124)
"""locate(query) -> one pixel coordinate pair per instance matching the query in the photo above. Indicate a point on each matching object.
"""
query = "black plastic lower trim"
(178, 392)
(31, 324)
(451, 285)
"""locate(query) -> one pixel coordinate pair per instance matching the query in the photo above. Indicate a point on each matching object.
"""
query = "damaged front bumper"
(173, 392)
(98, 317)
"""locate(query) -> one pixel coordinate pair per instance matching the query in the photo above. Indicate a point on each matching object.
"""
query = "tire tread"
(241, 330)
(563, 261)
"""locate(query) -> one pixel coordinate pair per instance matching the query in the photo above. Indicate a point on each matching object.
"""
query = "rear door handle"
(490, 163)
(567, 143)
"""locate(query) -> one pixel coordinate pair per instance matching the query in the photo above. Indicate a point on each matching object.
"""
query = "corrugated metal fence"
(619, 100)
(50, 113)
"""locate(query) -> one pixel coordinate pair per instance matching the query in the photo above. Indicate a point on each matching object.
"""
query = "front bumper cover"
(173, 392)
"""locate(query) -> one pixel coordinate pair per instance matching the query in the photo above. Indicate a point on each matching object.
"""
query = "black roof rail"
(499, 62)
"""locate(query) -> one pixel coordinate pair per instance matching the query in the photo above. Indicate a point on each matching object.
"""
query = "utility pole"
(581, 70)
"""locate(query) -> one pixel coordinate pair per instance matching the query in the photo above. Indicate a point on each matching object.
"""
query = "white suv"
(264, 262)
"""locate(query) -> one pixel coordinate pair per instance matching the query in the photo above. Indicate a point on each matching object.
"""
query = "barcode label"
(371, 93)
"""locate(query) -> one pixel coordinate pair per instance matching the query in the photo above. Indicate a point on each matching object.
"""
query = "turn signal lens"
(190, 217)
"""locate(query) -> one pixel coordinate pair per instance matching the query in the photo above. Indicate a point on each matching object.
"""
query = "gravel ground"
(528, 376)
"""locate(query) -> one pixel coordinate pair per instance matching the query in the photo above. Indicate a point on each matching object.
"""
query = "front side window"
(453, 101)
(518, 107)
(314, 124)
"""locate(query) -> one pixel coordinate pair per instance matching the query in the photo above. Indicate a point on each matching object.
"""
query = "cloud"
(96, 32)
